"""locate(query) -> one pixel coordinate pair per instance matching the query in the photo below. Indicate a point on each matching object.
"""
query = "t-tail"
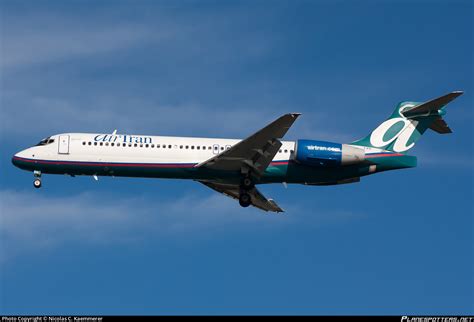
(407, 124)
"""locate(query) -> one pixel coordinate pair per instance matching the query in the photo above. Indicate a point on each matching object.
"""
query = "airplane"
(234, 167)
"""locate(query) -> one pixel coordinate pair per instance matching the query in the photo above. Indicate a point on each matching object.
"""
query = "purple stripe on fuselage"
(121, 164)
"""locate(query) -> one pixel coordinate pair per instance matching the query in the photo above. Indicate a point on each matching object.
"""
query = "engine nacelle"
(327, 154)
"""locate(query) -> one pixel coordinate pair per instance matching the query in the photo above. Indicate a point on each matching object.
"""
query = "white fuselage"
(86, 147)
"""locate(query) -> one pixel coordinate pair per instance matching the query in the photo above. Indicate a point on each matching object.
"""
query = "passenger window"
(107, 143)
(222, 148)
(187, 146)
(286, 151)
(101, 143)
(152, 145)
(157, 145)
(130, 145)
(192, 147)
(169, 146)
(90, 143)
(198, 147)
(112, 144)
(135, 145)
(180, 146)
(95, 143)
(83, 143)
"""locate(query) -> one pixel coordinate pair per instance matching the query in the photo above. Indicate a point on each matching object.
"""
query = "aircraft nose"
(16, 159)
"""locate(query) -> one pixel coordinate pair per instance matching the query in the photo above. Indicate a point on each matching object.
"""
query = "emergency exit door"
(63, 144)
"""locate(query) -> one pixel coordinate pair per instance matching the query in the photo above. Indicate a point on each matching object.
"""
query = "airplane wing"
(233, 190)
(255, 152)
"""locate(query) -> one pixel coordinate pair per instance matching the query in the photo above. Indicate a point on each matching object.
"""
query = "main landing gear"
(244, 199)
(37, 181)
(245, 185)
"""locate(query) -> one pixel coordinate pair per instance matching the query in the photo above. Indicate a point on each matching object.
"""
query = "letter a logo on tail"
(398, 130)
(407, 124)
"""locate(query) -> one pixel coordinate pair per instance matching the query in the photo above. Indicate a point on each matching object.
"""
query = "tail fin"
(408, 122)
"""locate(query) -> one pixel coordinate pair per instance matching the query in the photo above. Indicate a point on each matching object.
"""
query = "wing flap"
(233, 191)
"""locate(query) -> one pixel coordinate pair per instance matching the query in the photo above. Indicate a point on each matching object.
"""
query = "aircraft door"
(63, 147)
(215, 149)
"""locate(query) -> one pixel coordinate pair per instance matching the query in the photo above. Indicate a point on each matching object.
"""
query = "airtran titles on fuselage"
(323, 148)
(123, 138)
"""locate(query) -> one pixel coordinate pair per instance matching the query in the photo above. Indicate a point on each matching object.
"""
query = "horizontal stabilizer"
(440, 126)
(431, 106)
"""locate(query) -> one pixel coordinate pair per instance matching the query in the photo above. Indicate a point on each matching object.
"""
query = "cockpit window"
(45, 141)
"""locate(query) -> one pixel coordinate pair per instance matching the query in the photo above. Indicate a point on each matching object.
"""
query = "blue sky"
(399, 242)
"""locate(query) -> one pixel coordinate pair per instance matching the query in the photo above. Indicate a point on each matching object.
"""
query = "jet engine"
(327, 154)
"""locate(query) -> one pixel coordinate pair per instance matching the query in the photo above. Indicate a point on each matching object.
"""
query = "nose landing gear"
(37, 181)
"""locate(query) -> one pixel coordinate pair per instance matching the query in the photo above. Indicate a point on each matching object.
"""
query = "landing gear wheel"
(247, 183)
(244, 200)
(37, 183)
